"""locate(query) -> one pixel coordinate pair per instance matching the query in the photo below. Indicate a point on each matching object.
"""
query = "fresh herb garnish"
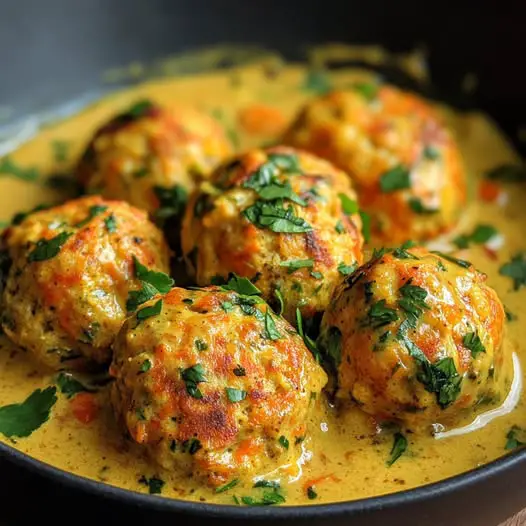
(460, 262)
(472, 341)
(331, 342)
(515, 438)
(431, 153)
(396, 178)
(267, 484)
(311, 494)
(10, 168)
(309, 342)
(367, 90)
(380, 315)
(242, 286)
(20, 420)
(155, 485)
(366, 226)
(296, 264)
(227, 306)
(111, 224)
(510, 316)
(93, 212)
(402, 253)
(192, 376)
(192, 446)
(269, 498)
(508, 173)
(172, 201)
(48, 248)
(148, 312)
(349, 206)
(146, 365)
(516, 270)
(284, 442)
(138, 109)
(275, 217)
(316, 275)
(340, 228)
(416, 205)
(152, 282)
(482, 234)
(281, 301)
(270, 332)
(413, 302)
(69, 385)
(200, 345)
(226, 487)
(398, 449)
(317, 82)
(345, 270)
(235, 395)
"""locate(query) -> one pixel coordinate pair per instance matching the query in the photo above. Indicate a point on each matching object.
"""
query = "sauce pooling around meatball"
(213, 383)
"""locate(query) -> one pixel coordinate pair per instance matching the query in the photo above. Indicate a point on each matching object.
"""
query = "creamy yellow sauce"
(345, 450)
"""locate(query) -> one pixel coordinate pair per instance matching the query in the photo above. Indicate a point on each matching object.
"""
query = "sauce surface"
(345, 457)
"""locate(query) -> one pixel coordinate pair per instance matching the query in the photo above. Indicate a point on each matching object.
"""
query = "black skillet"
(55, 50)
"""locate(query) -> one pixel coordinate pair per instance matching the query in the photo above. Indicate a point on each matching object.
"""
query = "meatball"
(284, 218)
(74, 272)
(405, 165)
(213, 384)
(416, 337)
(151, 156)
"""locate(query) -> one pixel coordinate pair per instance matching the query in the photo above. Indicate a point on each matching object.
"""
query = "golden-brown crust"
(379, 368)
(71, 305)
(217, 237)
(137, 151)
(211, 329)
(366, 138)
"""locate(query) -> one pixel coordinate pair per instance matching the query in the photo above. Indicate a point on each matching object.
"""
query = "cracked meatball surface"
(71, 271)
(281, 217)
(403, 161)
(416, 338)
(212, 383)
(151, 156)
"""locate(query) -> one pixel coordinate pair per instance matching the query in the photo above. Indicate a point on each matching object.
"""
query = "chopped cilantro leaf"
(192, 376)
(413, 302)
(20, 420)
(227, 306)
(398, 449)
(200, 345)
(349, 206)
(460, 262)
(416, 205)
(242, 286)
(345, 270)
(60, 150)
(146, 365)
(284, 442)
(316, 275)
(309, 342)
(111, 224)
(366, 226)
(172, 201)
(482, 234)
(155, 485)
(431, 153)
(281, 301)
(296, 264)
(311, 494)
(10, 168)
(515, 438)
(275, 217)
(317, 82)
(138, 297)
(269, 498)
(161, 281)
(340, 228)
(270, 332)
(267, 484)
(235, 395)
(69, 385)
(380, 315)
(396, 178)
(516, 270)
(368, 90)
(226, 487)
(472, 341)
(148, 312)
(48, 248)
(93, 212)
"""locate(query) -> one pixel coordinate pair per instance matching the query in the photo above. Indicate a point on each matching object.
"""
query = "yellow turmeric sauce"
(345, 458)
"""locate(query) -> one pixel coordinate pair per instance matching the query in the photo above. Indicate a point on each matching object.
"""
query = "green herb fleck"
(20, 420)
(60, 150)
(472, 341)
(482, 234)
(416, 205)
(270, 332)
(349, 206)
(396, 178)
(69, 385)
(380, 315)
(295, 264)
(398, 449)
(172, 201)
(93, 212)
(366, 226)
(284, 442)
(148, 312)
(345, 270)
(226, 487)
(200, 345)
(275, 217)
(367, 90)
(155, 485)
(317, 82)
(48, 248)
(413, 302)
(111, 224)
(9, 168)
(281, 301)
(192, 376)
(316, 275)
(146, 365)
(508, 173)
(340, 228)
(516, 270)
(241, 285)
(460, 262)
(235, 395)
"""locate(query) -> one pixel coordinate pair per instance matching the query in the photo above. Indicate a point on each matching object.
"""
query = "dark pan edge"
(345, 508)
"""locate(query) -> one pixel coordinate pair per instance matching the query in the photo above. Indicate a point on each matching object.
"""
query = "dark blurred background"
(56, 49)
